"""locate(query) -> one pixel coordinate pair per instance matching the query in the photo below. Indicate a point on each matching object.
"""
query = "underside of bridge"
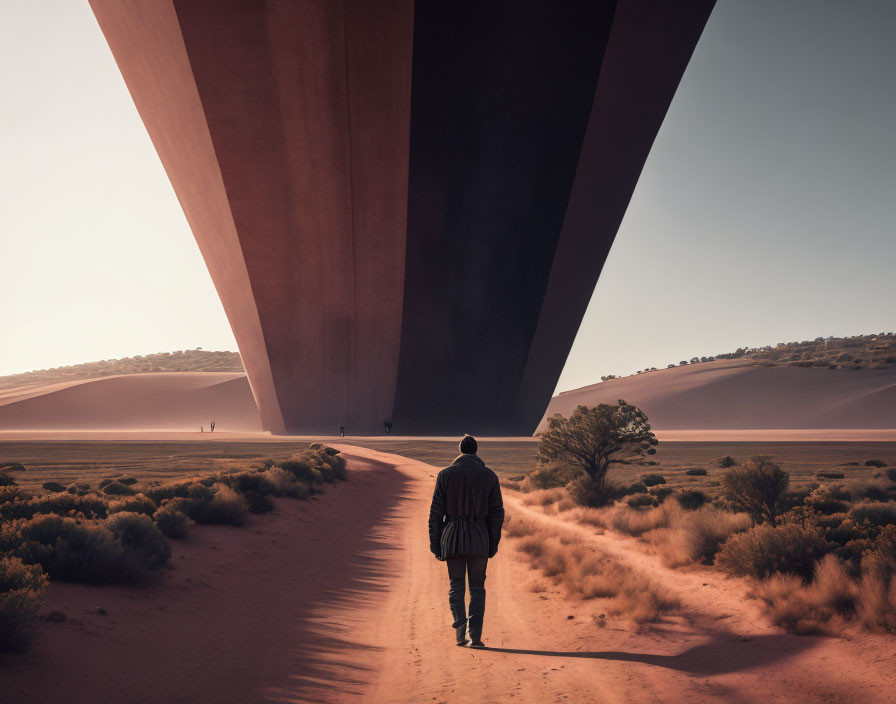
(403, 204)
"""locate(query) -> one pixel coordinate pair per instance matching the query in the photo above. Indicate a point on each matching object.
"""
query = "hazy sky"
(765, 212)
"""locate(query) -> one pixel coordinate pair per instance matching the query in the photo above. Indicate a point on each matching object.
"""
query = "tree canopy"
(595, 437)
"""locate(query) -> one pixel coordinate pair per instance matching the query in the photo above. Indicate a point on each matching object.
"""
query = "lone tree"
(594, 438)
(756, 487)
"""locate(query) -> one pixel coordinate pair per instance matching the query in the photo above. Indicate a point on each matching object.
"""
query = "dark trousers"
(474, 567)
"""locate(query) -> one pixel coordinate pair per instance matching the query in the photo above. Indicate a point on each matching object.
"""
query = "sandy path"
(338, 600)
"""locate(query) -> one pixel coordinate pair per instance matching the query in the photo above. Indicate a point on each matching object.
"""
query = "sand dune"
(731, 395)
(169, 401)
(339, 600)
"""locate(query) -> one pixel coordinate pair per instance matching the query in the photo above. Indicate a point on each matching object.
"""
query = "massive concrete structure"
(404, 205)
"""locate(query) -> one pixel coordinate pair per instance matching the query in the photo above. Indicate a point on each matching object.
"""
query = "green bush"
(765, 549)
(636, 488)
(133, 504)
(550, 476)
(21, 595)
(691, 500)
(172, 522)
(725, 462)
(118, 489)
(53, 486)
(68, 549)
(141, 538)
(285, 484)
(696, 472)
(652, 479)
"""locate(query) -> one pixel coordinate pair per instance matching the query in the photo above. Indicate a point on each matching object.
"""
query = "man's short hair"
(468, 445)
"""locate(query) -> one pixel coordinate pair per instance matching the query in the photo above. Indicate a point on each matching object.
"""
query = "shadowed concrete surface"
(404, 204)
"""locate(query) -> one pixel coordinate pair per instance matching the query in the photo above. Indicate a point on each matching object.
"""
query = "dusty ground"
(339, 600)
(149, 456)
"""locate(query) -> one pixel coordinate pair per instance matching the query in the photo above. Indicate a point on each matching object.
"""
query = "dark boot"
(461, 631)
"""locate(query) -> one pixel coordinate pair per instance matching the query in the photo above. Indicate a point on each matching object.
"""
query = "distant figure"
(201, 428)
(212, 426)
(388, 426)
(465, 522)
(342, 431)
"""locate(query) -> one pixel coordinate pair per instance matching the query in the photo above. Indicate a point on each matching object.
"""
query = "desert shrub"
(875, 463)
(661, 493)
(636, 488)
(696, 472)
(21, 595)
(53, 486)
(128, 481)
(706, 529)
(652, 479)
(133, 504)
(106, 482)
(7, 467)
(829, 474)
(63, 504)
(642, 500)
(873, 514)
(756, 487)
(828, 499)
(549, 476)
(172, 522)
(193, 490)
(586, 491)
(765, 549)
(6, 479)
(891, 474)
(141, 538)
(285, 484)
(871, 492)
(638, 522)
(226, 507)
(8, 494)
(68, 549)
(724, 462)
(118, 489)
(691, 500)
(258, 503)
(316, 446)
(79, 488)
(300, 467)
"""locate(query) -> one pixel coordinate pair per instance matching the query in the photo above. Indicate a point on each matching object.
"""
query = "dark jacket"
(467, 510)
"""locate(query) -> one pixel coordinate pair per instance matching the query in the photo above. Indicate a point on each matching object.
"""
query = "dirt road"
(339, 600)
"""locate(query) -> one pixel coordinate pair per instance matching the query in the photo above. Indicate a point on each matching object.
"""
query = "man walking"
(465, 522)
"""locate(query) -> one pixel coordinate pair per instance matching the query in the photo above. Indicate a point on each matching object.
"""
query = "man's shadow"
(719, 656)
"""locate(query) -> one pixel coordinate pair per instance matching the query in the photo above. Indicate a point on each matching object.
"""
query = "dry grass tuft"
(587, 574)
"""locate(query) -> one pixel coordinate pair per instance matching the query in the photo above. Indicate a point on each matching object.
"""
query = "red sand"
(724, 401)
(338, 599)
(170, 401)
(731, 395)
